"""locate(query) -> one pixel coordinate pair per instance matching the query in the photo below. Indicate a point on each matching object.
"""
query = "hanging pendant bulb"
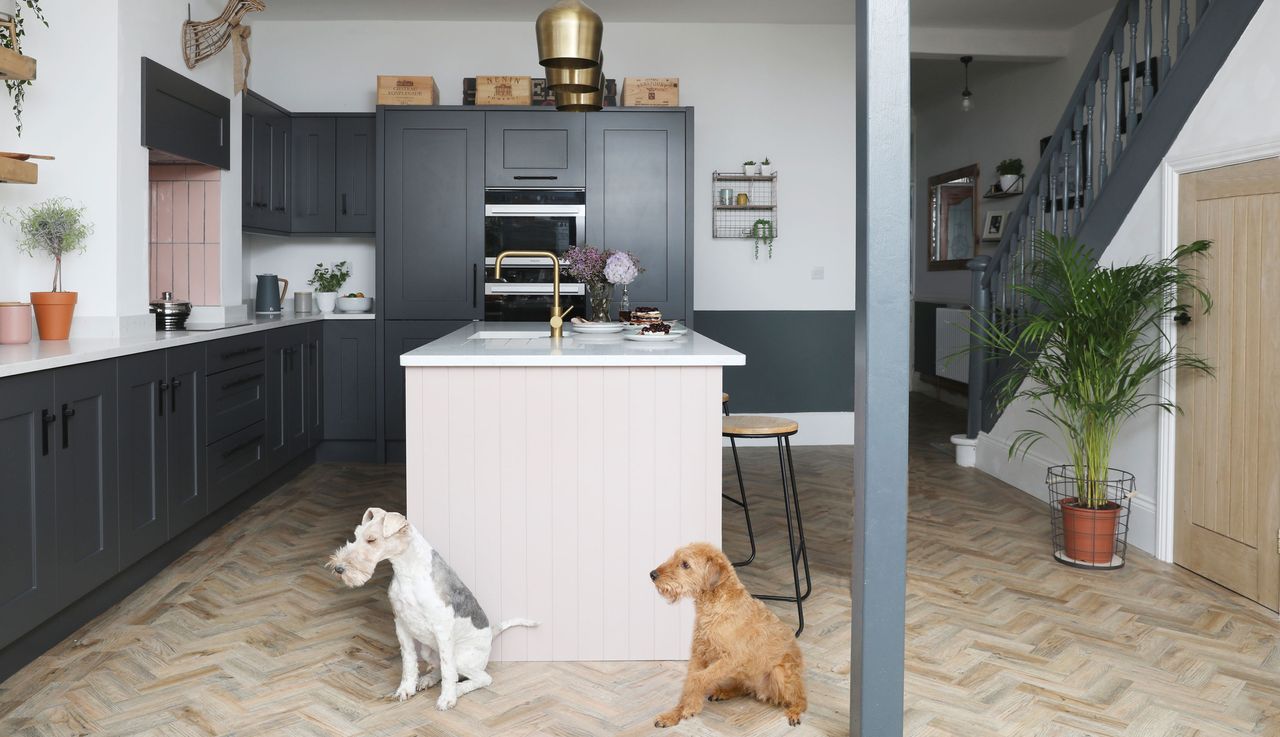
(577, 80)
(569, 35)
(966, 97)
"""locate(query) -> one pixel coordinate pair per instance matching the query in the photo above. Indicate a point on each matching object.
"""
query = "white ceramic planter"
(326, 300)
(1007, 181)
(966, 450)
(766, 169)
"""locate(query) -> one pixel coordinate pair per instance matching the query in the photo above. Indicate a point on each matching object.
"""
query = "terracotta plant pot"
(53, 313)
(1089, 535)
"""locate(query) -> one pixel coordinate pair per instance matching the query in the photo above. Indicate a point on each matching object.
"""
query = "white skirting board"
(816, 428)
(1027, 474)
(554, 491)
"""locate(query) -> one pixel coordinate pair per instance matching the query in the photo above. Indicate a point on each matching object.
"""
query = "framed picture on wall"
(993, 222)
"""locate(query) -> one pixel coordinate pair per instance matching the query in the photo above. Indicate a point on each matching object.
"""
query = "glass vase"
(599, 294)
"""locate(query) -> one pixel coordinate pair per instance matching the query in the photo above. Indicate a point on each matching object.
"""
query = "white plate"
(596, 327)
(676, 328)
(652, 338)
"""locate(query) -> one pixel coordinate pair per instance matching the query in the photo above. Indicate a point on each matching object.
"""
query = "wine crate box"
(651, 92)
(393, 90)
(498, 90)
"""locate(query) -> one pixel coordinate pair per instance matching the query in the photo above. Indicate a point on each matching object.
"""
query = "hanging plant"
(763, 233)
(11, 33)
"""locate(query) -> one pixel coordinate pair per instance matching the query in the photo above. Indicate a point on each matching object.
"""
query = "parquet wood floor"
(247, 635)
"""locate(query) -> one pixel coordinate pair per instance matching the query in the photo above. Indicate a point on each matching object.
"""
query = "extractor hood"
(182, 121)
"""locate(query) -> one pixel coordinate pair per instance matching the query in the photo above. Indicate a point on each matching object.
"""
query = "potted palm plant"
(1086, 360)
(55, 227)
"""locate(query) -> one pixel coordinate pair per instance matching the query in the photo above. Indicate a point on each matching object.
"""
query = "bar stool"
(781, 429)
(742, 490)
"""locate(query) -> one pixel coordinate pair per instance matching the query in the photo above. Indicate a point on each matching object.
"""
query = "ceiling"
(1029, 14)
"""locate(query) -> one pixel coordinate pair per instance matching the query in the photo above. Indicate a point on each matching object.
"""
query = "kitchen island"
(554, 475)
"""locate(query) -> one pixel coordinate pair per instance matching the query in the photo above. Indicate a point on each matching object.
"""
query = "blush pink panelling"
(185, 232)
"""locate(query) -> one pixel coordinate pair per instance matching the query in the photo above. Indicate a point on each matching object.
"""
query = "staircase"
(1151, 66)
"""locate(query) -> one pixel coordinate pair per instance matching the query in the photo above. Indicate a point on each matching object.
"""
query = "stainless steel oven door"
(555, 228)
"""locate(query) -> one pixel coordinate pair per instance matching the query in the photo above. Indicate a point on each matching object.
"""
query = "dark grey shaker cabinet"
(313, 383)
(185, 429)
(403, 336)
(265, 159)
(356, 165)
(432, 234)
(28, 564)
(636, 194)
(350, 381)
(86, 497)
(183, 118)
(314, 205)
(142, 390)
(286, 378)
(534, 149)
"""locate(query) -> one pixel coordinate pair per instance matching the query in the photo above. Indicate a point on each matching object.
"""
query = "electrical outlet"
(818, 273)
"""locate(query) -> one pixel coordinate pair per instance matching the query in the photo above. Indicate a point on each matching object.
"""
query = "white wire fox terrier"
(437, 617)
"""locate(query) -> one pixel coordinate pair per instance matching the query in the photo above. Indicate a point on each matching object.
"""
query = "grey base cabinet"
(349, 380)
(286, 389)
(403, 336)
(313, 384)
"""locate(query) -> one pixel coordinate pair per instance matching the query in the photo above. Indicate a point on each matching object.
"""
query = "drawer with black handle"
(229, 353)
(236, 399)
(236, 463)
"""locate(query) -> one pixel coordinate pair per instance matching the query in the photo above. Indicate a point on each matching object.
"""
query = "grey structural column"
(881, 370)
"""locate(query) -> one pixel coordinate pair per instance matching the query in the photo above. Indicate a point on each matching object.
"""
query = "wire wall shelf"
(734, 220)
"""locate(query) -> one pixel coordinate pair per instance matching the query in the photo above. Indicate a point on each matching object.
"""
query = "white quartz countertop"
(40, 355)
(529, 344)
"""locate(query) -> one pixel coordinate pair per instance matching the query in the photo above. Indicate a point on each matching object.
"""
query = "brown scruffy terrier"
(740, 648)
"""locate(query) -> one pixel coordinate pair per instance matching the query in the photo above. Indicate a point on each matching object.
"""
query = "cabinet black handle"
(242, 381)
(164, 387)
(232, 451)
(528, 177)
(47, 418)
(174, 383)
(344, 203)
(67, 413)
(475, 284)
(241, 352)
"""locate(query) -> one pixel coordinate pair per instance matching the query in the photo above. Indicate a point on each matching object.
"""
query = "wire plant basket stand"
(1089, 540)
(733, 220)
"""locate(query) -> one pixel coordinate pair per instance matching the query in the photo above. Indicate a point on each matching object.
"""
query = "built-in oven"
(530, 220)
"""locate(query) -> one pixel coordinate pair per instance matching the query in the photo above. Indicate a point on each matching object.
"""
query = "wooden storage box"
(393, 90)
(651, 92)
(496, 90)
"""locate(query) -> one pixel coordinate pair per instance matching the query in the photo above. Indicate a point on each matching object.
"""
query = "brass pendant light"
(579, 102)
(569, 36)
(577, 80)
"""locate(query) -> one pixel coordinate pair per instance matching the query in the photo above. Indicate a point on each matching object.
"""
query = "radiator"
(952, 338)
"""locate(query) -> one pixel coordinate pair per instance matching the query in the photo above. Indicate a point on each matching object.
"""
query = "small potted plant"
(766, 167)
(55, 227)
(328, 281)
(1085, 360)
(763, 233)
(1010, 171)
(749, 168)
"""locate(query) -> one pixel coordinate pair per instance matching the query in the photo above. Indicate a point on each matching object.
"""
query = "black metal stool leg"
(795, 500)
(795, 553)
(742, 502)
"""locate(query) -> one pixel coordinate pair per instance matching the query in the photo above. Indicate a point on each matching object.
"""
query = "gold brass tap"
(557, 317)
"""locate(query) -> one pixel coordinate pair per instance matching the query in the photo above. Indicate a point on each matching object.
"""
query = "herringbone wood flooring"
(246, 635)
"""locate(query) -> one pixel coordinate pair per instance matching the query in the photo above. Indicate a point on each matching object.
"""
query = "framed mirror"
(953, 218)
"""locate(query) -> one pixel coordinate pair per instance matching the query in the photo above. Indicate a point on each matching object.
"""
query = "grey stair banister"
(1084, 190)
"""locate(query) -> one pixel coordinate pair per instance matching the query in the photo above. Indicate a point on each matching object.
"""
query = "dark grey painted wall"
(797, 361)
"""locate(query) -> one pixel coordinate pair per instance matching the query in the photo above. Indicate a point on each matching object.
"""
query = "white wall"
(295, 259)
(70, 114)
(1239, 113)
(785, 92)
(1016, 104)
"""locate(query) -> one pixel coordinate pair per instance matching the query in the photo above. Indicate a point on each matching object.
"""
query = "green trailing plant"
(330, 278)
(1089, 356)
(748, 163)
(762, 232)
(55, 227)
(13, 40)
(1010, 168)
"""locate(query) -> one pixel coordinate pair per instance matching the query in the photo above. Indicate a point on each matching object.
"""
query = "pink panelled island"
(554, 475)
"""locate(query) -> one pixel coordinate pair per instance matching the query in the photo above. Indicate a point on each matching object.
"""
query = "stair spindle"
(1148, 88)
(1104, 74)
(1130, 122)
(1078, 150)
(1118, 140)
(1184, 27)
(1164, 42)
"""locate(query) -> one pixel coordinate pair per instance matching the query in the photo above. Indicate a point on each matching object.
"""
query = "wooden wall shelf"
(15, 66)
(17, 169)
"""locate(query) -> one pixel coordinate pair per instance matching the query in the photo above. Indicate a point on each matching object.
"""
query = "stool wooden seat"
(757, 426)
(724, 397)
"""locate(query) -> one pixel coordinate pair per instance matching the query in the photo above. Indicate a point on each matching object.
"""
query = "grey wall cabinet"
(534, 149)
(403, 336)
(286, 388)
(183, 118)
(265, 160)
(636, 194)
(86, 495)
(350, 382)
(313, 383)
(314, 206)
(28, 562)
(356, 166)
(432, 235)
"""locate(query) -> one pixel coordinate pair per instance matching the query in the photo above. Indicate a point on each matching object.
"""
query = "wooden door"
(1228, 472)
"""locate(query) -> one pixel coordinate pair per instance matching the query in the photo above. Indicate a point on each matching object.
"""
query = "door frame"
(1166, 447)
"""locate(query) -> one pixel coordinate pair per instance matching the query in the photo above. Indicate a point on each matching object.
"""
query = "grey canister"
(302, 303)
(726, 196)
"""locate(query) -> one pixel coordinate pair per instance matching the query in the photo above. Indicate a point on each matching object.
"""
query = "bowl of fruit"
(355, 302)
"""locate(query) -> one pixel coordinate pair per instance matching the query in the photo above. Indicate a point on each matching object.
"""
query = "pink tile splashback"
(184, 232)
